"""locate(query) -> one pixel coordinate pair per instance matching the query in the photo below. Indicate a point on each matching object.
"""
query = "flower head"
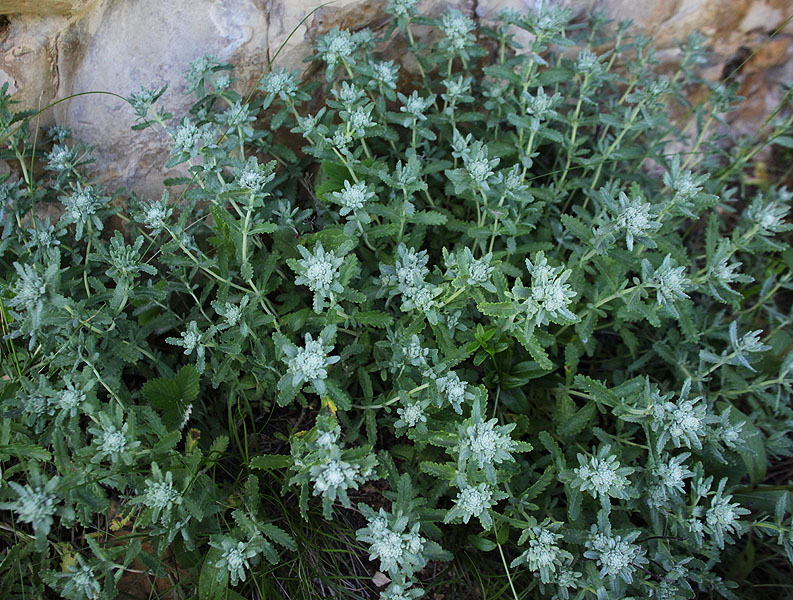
(160, 495)
(454, 390)
(319, 271)
(549, 295)
(310, 363)
(235, 558)
(670, 282)
(601, 475)
(281, 82)
(617, 556)
(544, 556)
(353, 198)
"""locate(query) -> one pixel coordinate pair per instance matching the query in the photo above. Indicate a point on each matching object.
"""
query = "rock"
(45, 7)
(113, 52)
(50, 49)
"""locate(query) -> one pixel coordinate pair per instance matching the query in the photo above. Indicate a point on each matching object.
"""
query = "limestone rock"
(50, 49)
(44, 7)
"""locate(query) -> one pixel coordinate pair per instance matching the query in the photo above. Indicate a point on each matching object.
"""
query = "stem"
(85, 267)
(576, 114)
(506, 570)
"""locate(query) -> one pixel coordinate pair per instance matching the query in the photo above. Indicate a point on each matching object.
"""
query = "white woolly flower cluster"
(398, 546)
(29, 290)
(235, 557)
(544, 556)
(156, 214)
(457, 28)
(588, 63)
(385, 73)
(61, 158)
(636, 219)
(601, 475)
(360, 119)
(684, 422)
(33, 504)
(185, 137)
(414, 106)
(407, 276)
(722, 518)
(668, 479)
(353, 197)
(160, 495)
(82, 581)
(768, 217)
(412, 414)
(549, 296)
(310, 363)
(113, 441)
(617, 556)
(457, 89)
(473, 501)
(454, 390)
(81, 205)
(541, 105)
(192, 340)
(670, 282)
(280, 81)
(334, 474)
(319, 271)
(254, 176)
(337, 46)
(477, 164)
(488, 444)
(401, 8)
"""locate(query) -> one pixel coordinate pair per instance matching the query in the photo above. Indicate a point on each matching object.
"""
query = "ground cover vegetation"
(470, 330)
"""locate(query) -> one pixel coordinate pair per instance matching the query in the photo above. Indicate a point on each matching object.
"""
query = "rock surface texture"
(50, 49)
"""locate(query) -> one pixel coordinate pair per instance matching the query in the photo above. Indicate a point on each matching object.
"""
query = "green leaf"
(366, 384)
(428, 218)
(270, 461)
(442, 471)
(172, 396)
(504, 310)
(743, 563)
(533, 347)
(539, 486)
(481, 544)
(753, 454)
(374, 318)
(338, 394)
(28, 451)
(279, 536)
(210, 586)
(577, 422)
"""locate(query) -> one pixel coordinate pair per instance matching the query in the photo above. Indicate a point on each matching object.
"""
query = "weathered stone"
(44, 7)
(116, 55)
(50, 49)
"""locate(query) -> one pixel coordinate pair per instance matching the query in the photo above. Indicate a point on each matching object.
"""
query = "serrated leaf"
(504, 310)
(533, 347)
(28, 451)
(374, 318)
(539, 486)
(279, 536)
(576, 423)
(269, 462)
(442, 471)
(428, 218)
(172, 396)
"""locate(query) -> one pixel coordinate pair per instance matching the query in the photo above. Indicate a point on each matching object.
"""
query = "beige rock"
(50, 49)
(44, 7)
